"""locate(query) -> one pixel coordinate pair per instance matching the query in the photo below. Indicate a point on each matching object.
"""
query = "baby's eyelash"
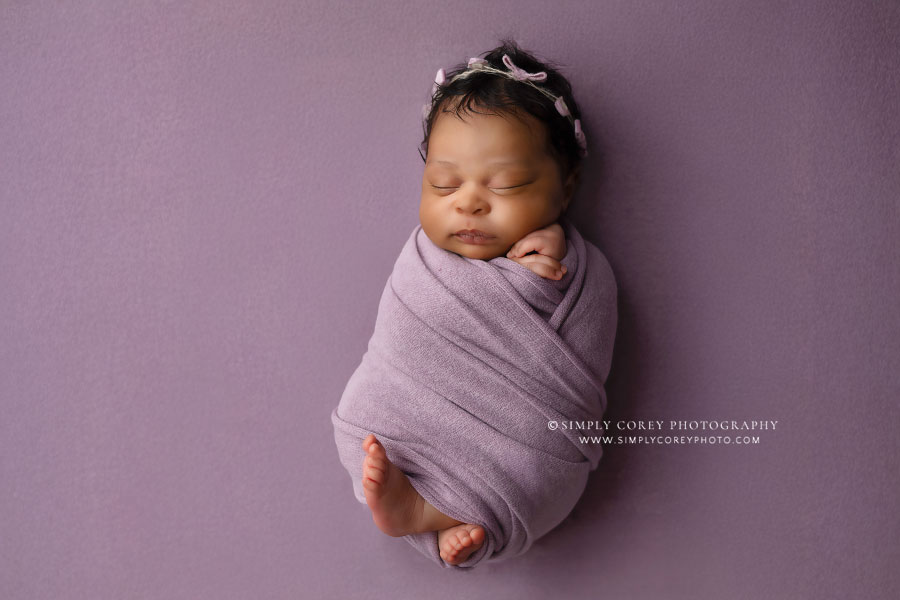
(503, 188)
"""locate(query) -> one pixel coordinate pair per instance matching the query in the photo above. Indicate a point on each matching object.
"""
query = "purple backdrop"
(200, 204)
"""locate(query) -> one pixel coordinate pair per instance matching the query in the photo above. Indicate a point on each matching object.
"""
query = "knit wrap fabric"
(469, 364)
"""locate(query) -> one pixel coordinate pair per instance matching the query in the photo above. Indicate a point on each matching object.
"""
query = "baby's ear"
(569, 187)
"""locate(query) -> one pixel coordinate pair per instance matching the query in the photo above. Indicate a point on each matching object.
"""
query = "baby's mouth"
(473, 236)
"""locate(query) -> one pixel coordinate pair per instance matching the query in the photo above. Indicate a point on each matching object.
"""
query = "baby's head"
(500, 156)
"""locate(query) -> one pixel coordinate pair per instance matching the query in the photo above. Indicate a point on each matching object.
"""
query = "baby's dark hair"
(502, 94)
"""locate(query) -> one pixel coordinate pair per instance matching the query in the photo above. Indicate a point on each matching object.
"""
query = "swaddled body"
(470, 363)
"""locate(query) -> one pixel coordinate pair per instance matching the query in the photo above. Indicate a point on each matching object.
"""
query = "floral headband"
(514, 72)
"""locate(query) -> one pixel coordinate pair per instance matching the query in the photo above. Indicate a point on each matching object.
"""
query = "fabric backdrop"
(200, 203)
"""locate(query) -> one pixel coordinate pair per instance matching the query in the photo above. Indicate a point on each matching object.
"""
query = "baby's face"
(490, 173)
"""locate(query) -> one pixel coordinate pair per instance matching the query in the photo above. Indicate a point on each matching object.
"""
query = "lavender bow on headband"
(521, 74)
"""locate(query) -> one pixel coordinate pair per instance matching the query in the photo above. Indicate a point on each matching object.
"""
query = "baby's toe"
(448, 548)
(375, 462)
(477, 534)
(374, 470)
(372, 446)
(376, 451)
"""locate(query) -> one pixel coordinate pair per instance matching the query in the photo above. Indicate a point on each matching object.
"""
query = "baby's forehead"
(489, 138)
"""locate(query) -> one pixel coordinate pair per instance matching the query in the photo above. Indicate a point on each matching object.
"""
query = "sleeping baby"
(462, 425)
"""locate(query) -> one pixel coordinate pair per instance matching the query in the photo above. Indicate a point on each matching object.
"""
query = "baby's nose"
(471, 201)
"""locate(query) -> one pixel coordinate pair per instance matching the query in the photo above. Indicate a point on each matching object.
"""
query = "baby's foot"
(397, 507)
(457, 543)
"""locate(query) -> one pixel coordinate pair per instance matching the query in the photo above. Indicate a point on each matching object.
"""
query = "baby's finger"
(545, 266)
(543, 259)
(520, 248)
(530, 242)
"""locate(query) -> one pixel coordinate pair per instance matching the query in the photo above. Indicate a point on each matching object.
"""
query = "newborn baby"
(473, 355)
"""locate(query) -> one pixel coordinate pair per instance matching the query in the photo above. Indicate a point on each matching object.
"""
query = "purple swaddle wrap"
(468, 362)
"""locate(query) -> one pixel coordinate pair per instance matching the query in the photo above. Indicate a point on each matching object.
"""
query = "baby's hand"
(550, 245)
